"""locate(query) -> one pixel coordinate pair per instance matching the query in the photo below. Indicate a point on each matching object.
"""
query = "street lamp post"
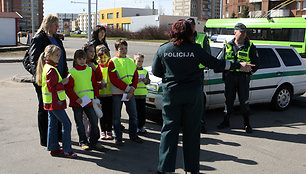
(32, 15)
(89, 20)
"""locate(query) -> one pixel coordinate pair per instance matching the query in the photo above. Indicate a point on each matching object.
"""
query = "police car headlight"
(152, 87)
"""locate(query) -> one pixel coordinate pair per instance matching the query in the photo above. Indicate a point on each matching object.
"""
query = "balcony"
(254, 1)
(280, 13)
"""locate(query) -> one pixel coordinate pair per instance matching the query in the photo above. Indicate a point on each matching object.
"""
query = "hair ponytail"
(39, 68)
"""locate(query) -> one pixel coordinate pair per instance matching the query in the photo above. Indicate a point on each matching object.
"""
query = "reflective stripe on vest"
(141, 87)
(200, 40)
(46, 94)
(82, 82)
(242, 55)
(125, 68)
(107, 90)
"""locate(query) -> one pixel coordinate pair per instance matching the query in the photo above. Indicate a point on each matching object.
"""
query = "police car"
(280, 77)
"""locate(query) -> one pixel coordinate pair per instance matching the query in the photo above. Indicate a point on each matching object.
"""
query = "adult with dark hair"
(45, 36)
(177, 63)
(98, 38)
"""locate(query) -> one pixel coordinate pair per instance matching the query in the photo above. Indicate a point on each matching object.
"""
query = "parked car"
(281, 76)
(61, 36)
(77, 32)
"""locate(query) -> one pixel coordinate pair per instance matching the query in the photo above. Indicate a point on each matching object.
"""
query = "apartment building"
(65, 21)
(83, 21)
(261, 8)
(202, 9)
(120, 18)
(23, 7)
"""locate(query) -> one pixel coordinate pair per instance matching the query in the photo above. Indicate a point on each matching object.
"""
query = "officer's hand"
(65, 81)
(132, 90)
(246, 67)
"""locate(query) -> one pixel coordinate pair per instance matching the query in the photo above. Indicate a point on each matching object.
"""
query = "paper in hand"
(142, 76)
(124, 97)
(85, 100)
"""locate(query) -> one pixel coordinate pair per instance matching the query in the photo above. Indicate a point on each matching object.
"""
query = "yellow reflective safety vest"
(107, 90)
(46, 94)
(125, 68)
(141, 86)
(82, 82)
(200, 40)
(242, 55)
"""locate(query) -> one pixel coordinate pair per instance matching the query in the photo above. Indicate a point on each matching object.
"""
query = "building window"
(102, 16)
(239, 9)
(227, 1)
(117, 15)
(298, 5)
(109, 15)
(304, 5)
(126, 27)
(226, 12)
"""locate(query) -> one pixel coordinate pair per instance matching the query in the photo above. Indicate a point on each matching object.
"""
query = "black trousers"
(106, 122)
(237, 82)
(43, 119)
(141, 111)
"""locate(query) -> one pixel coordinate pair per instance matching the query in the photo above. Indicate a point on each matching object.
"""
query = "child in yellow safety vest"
(105, 92)
(124, 78)
(54, 100)
(83, 87)
(141, 92)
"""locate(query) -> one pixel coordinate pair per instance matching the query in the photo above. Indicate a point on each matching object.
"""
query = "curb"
(18, 48)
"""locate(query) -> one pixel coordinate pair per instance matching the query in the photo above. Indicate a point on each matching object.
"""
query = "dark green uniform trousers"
(181, 108)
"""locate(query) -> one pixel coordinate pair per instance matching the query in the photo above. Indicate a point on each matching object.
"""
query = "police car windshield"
(215, 51)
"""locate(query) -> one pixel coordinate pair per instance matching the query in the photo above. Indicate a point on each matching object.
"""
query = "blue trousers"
(52, 141)
(132, 112)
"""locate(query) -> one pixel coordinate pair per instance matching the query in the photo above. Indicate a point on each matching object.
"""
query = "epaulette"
(164, 44)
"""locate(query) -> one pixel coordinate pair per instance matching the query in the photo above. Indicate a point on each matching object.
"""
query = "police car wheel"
(282, 98)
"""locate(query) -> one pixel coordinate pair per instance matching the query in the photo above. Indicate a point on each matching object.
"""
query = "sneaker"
(137, 140)
(57, 152)
(103, 136)
(119, 142)
(109, 135)
(71, 155)
(85, 147)
(99, 147)
(248, 129)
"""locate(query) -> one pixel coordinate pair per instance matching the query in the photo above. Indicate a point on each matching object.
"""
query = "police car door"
(266, 79)
(213, 83)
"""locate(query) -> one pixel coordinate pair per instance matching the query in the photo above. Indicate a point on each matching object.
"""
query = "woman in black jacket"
(98, 38)
(46, 35)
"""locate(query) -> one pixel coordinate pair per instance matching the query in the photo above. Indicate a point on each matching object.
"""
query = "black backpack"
(26, 62)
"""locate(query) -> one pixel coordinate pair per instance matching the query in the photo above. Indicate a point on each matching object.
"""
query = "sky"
(65, 6)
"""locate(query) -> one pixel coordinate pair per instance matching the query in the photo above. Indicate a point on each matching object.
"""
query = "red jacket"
(117, 81)
(53, 86)
(72, 95)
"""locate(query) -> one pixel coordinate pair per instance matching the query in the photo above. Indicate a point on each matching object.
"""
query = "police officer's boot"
(225, 122)
(247, 126)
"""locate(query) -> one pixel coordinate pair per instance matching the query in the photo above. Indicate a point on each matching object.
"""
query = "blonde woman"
(46, 35)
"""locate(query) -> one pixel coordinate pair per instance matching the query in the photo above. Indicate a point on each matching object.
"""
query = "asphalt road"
(277, 144)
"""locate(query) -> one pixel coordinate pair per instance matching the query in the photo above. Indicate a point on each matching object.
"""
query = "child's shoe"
(119, 142)
(57, 152)
(71, 155)
(109, 135)
(85, 147)
(103, 136)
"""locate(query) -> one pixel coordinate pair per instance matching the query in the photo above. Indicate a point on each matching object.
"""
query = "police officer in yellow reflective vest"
(242, 50)
(201, 39)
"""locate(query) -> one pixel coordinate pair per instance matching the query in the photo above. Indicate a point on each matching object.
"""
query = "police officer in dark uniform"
(177, 63)
(201, 39)
(238, 49)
